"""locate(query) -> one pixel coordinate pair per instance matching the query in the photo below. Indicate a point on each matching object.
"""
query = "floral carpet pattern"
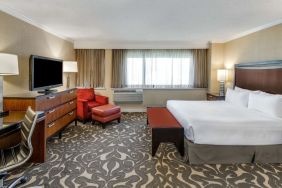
(120, 156)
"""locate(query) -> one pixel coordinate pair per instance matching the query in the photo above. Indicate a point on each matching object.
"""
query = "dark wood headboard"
(265, 76)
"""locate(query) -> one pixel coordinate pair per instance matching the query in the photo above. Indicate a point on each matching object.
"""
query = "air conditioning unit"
(128, 96)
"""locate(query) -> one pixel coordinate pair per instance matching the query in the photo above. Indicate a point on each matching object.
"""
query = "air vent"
(128, 96)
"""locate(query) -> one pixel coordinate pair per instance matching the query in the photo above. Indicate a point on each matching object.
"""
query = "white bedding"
(220, 123)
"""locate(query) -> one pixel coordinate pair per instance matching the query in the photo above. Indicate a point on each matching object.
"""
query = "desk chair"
(16, 156)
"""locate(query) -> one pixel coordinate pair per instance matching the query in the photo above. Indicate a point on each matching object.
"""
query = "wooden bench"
(165, 128)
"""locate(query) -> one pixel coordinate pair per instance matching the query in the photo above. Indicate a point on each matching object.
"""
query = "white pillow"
(245, 90)
(269, 104)
(240, 89)
(269, 94)
(237, 98)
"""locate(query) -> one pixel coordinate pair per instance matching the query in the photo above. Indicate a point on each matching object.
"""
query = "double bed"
(218, 132)
(220, 123)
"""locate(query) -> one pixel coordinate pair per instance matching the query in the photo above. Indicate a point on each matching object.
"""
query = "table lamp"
(69, 67)
(221, 77)
(8, 66)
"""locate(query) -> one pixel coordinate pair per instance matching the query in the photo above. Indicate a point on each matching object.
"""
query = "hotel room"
(184, 93)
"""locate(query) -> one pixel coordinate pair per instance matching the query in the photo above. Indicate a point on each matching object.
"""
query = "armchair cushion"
(86, 94)
(92, 104)
(102, 100)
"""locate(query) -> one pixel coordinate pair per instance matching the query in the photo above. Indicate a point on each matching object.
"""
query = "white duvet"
(221, 123)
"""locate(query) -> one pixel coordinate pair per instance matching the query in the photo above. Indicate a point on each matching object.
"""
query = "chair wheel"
(24, 180)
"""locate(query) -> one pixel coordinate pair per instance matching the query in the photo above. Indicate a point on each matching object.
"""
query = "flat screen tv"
(45, 73)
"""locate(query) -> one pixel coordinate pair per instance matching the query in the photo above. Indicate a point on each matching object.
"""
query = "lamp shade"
(70, 66)
(8, 64)
(221, 75)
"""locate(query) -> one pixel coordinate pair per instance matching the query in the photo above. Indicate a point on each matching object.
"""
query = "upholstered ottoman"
(105, 114)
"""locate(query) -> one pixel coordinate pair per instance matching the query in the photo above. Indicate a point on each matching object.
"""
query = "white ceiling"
(147, 23)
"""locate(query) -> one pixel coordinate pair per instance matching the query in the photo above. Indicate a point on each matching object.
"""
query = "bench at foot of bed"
(165, 128)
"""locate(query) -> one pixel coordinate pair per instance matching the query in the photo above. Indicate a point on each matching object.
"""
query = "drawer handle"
(51, 111)
(71, 113)
(51, 97)
(71, 102)
(51, 125)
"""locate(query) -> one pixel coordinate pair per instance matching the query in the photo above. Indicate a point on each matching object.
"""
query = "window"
(159, 69)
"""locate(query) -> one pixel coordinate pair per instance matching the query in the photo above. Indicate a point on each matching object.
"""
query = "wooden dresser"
(59, 108)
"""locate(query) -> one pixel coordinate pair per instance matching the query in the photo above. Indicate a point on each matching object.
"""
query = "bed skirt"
(221, 154)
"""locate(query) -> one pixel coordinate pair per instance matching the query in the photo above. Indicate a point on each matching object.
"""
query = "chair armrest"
(82, 108)
(82, 100)
(102, 99)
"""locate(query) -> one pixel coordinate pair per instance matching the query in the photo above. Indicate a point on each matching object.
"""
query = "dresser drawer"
(48, 101)
(57, 125)
(69, 96)
(53, 114)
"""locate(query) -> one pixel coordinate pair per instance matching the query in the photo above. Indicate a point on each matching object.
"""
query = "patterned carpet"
(119, 156)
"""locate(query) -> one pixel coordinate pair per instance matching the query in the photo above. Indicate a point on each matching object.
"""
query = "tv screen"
(45, 73)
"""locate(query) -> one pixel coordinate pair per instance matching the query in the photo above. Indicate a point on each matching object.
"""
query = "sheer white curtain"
(159, 69)
(134, 68)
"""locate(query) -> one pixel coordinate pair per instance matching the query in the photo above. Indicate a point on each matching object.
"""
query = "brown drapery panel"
(200, 58)
(118, 68)
(91, 67)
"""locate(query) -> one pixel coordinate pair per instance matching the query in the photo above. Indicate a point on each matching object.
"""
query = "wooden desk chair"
(16, 156)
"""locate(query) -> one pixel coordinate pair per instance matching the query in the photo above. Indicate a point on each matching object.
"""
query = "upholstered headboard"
(265, 76)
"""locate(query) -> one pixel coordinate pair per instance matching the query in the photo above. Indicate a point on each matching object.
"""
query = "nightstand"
(215, 97)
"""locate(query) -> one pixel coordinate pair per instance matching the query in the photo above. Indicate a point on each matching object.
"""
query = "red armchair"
(86, 100)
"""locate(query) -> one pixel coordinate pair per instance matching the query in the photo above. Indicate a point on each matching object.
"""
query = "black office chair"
(16, 156)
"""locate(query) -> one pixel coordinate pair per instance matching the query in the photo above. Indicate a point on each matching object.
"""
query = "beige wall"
(259, 46)
(216, 61)
(20, 38)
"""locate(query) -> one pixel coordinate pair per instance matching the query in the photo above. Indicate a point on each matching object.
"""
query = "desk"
(10, 134)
